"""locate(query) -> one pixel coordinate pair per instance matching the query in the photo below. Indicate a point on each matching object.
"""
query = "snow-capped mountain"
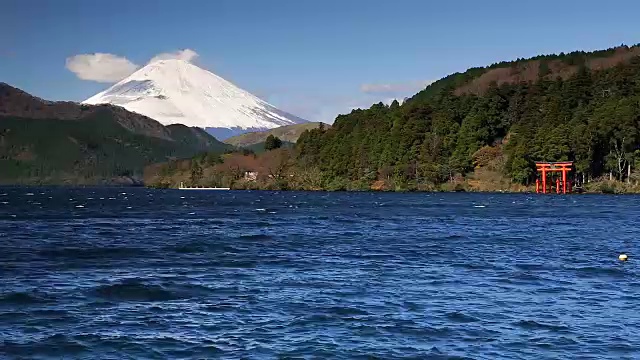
(178, 92)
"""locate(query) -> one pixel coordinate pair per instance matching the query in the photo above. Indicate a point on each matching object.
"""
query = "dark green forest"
(55, 151)
(582, 107)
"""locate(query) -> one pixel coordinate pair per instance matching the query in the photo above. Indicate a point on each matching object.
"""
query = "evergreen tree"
(272, 143)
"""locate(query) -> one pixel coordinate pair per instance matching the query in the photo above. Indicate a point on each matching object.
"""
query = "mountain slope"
(194, 137)
(17, 103)
(548, 68)
(178, 92)
(543, 67)
(289, 133)
(64, 142)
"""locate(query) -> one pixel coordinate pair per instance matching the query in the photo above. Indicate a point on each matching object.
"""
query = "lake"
(117, 273)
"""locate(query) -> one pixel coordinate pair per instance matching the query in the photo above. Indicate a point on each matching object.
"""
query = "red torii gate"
(547, 167)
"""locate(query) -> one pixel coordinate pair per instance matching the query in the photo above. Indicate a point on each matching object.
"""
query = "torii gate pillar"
(546, 167)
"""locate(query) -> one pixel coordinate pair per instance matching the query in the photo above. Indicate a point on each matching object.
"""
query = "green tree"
(272, 143)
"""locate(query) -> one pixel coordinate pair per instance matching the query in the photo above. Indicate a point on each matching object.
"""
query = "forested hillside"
(44, 142)
(583, 107)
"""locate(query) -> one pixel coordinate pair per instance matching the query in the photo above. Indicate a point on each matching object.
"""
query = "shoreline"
(151, 187)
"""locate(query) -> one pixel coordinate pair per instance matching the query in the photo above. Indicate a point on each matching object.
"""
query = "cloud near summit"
(186, 55)
(110, 68)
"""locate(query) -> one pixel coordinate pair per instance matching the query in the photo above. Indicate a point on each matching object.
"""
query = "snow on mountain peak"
(175, 91)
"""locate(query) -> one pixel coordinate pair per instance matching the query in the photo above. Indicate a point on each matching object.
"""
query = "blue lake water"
(156, 274)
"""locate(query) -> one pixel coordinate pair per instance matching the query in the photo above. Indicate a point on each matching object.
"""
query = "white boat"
(182, 187)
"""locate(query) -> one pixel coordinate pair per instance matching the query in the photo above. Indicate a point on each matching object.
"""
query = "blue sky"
(313, 58)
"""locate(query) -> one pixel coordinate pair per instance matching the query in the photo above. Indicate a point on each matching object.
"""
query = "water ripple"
(107, 273)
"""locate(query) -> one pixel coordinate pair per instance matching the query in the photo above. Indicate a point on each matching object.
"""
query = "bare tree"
(277, 163)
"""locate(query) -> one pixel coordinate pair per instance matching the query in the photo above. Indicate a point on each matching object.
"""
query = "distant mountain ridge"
(178, 92)
(549, 67)
(64, 142)
(18, 103)
(478, 80)
(289, 133)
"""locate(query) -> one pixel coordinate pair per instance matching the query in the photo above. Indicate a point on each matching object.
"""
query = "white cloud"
(186, 55)
(109, 68)
(100, 67)
(406, 87)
